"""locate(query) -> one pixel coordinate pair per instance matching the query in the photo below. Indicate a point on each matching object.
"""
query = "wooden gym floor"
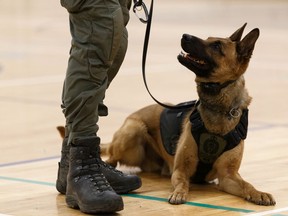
(34, 45)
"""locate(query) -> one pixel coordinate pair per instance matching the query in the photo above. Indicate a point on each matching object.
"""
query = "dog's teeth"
(183, 54)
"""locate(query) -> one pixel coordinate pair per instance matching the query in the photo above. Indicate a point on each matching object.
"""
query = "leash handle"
(145, 49)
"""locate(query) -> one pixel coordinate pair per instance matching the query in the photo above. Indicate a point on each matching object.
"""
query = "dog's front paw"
(261, 198)
(177, 198)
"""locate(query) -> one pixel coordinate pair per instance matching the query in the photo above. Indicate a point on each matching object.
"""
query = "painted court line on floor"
(27, 181)
(48, 79)
(139, 196)
(29, 161)
(203, 205)
(152, 198)
(31, 81)
(269, 212)
(256, 128)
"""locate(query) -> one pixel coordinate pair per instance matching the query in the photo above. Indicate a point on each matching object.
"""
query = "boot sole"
(125, 189)
(61, 188)
(61, 182)
(107, 207)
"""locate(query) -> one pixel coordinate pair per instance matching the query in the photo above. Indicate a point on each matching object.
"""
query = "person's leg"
(96, 32)
(107, 41)
(119, 57)
(95, 28)
(113, 70)
(117, 61)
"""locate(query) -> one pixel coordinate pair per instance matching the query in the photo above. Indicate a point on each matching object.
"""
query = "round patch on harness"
(211, 147)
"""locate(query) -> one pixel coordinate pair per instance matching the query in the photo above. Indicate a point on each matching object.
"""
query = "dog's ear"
(236, 36)
(246, 46)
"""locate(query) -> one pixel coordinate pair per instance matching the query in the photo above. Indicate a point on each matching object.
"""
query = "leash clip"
(139, 6)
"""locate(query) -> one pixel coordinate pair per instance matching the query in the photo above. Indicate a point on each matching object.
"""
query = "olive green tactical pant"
(99, 44)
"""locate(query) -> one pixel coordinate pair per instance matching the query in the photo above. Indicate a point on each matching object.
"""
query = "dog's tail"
(104, 149)
(103, 146)
(61, 131)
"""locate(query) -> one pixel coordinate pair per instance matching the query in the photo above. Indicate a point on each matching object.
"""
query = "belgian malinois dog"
(210, 140)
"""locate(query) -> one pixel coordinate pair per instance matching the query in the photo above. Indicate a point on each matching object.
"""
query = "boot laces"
(97, 178)
(108, 166)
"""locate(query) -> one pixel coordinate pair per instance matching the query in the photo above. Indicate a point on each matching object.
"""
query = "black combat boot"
(63, 167)
(87, 187)
(120, 182)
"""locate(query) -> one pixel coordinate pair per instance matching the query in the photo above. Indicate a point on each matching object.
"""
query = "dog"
(209, 139)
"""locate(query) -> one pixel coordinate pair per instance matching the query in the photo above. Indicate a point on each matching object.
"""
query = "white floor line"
(60, 78)
(269, 212)
(31, 81)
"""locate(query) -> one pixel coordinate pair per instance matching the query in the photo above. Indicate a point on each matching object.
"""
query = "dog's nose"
(186, 37)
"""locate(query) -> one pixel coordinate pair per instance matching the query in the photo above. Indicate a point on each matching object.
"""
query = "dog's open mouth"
(189, 57)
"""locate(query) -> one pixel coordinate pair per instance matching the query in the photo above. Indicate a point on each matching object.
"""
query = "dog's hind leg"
(61, 131)
(127, 146)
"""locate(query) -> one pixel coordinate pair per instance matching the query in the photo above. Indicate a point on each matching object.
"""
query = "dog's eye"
(216, 46)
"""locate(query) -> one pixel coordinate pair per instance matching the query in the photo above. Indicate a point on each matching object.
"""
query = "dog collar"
(213, 88)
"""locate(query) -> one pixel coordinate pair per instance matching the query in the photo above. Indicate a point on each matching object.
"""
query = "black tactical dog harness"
(210, 146)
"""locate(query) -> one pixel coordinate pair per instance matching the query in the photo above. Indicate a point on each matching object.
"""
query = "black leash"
(138, 6)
